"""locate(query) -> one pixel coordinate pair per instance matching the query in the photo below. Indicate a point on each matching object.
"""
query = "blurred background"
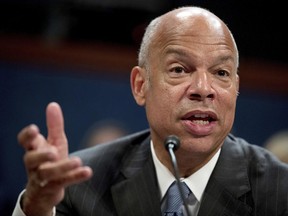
(80, 52)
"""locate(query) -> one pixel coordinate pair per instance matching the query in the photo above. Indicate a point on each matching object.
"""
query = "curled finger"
(57, 169)
(33, 159)
(75, 176)
(26, 135)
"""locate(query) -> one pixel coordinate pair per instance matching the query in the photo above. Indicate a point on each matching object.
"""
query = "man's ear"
(137, 81)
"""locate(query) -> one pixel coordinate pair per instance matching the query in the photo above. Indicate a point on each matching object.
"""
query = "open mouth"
(200, 118)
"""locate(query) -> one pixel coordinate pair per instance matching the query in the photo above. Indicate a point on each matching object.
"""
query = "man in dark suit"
(187, 81)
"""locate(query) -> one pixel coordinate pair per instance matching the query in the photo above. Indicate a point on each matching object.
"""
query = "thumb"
(55, 125)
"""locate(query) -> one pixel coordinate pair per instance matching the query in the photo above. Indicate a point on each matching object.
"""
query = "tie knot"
(174, 189)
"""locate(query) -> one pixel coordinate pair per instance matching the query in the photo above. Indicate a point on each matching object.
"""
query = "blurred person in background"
(104, 131)
(278, 145)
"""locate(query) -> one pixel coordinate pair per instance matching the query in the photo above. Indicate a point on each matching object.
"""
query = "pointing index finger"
(55, 125)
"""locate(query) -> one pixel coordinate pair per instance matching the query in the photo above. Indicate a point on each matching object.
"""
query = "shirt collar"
(196, 182)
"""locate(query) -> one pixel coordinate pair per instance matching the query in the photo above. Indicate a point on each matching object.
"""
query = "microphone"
(172, 143)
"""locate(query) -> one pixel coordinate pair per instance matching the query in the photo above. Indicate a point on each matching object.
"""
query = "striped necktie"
(174, 200)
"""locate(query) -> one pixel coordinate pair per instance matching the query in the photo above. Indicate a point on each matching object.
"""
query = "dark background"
(79, 53)
(258, 26)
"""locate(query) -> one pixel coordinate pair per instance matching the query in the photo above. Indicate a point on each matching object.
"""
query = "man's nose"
(201, 86)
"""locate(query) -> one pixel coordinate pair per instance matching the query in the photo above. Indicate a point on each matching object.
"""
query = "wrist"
(33, 208)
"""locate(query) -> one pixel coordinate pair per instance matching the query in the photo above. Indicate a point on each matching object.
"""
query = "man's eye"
(222, 73)
(178, 70)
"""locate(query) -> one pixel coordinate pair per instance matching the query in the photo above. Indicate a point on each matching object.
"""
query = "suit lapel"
(218, 201)
(139, 193)
(228, 190)
(227, 193)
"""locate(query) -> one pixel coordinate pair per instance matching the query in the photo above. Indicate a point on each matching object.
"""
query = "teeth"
(201, 115)
(200, 122)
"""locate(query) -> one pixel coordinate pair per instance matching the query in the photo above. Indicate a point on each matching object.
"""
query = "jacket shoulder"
(114, 149)
(252, 152)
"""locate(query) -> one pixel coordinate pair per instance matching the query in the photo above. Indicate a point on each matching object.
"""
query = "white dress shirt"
(196, 182)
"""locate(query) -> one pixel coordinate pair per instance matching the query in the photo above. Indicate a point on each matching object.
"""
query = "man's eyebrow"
(225, 58)
(182, 53)
(179, 52)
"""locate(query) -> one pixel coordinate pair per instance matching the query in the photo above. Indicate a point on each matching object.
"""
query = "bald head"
(194, 22)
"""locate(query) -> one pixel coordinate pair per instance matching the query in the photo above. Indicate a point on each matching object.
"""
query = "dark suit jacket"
(247, 180)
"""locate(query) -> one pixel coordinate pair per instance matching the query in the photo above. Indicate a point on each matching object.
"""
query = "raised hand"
(49, 169)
